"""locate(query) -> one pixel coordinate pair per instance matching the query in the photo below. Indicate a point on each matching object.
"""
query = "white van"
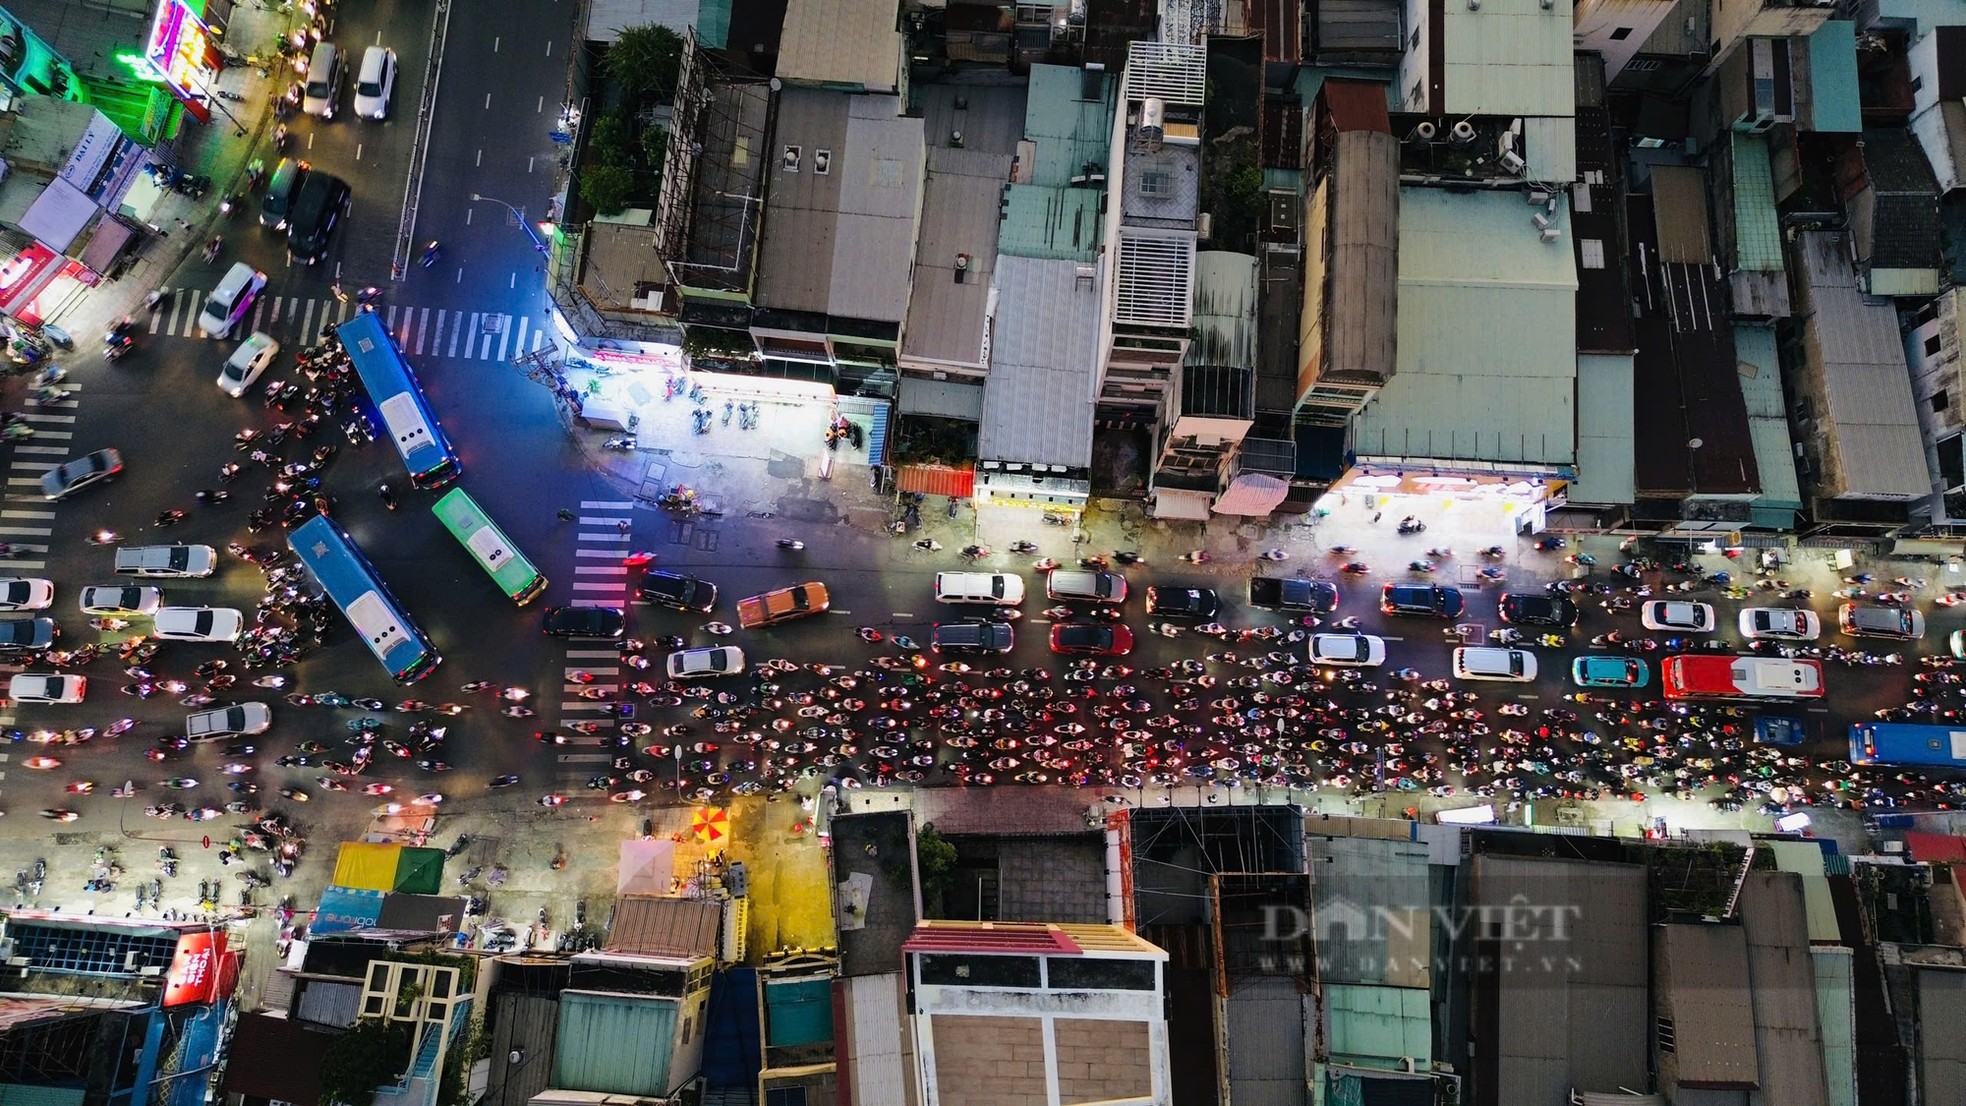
(1000, 588)
(323, 81)
(244, 718)
(231, 300)
(1493, 662)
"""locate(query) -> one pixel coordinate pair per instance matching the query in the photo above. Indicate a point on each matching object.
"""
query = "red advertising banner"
(201, 969)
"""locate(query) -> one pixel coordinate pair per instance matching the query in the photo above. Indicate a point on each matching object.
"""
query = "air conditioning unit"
(1541, 220)
(152, 972)
(1512, 162)
(18, 961)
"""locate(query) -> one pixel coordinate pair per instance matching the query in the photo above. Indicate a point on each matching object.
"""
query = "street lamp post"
(518, 215)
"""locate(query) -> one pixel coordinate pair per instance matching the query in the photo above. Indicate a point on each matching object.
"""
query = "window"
(1941, 401)
(1931, 345)
(785, 1096)
(689, 1027)
(959, 970)
(1917, 82)
(1088, 973)
(789, 161)
(1643, 65)
(1156, 182)
(1621, 34)
(1413, 41)
(1591, 252)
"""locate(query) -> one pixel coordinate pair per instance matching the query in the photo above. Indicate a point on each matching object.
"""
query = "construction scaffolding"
(708, 213)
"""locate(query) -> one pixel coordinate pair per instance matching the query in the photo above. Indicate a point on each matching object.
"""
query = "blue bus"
(1909, 743)
(378, 360)
(351, 582)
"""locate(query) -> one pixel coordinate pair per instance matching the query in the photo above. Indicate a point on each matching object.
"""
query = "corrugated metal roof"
(798, 1012)
(1785, 1028)
(849, 44)
(1486, 336)
(1357, 105)
(1579, 1021)
(1805, 858)
(22, 1094)
(960, 203)
(1265, 1030)
(1363, 286)
(1679, 212)
(1038, 396)
(875, 1057)
(949, 399)
(614, 1044)
(1549, 147)
(526, 1023)
(1706, 987)
(1607, 462)
(1836, 1012)
(1379, 1025)
(1854, 348)
(1940, 130)
(276, 1058)
(1358, 882)
(1833, 92)
(324, 1003)
(1768, 424)
(1343, 27)
(1757, 225)
(841, 242)
(1058, 224)
(607, 18)
(1069, 130)
(1225, 310)
(1941, 1020)
(1509, 57)
(656, 925)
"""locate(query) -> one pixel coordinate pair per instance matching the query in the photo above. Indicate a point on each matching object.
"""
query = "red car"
(1102, 639)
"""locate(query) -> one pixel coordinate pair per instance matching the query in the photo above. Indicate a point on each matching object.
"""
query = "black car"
(25, 635)
(317, 207)
(678, 592)
(1532, 609)
(1183, 602)
(1424, 600)
(970, 636)
(585, 622)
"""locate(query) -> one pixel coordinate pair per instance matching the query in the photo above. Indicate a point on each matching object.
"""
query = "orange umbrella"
(711, 824)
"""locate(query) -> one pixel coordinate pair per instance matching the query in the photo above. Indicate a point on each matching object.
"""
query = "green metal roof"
(1509, 57)
(1836, 1013)
(1487, 339)
(713, 23)
(799, 1012)
(614, 1044)
(20, 1094)
(1834, 102)
(1378, 1026)
(1051, 224)
(1607, 469)
(1757, 227)
(1768, 424)
(1068, 131)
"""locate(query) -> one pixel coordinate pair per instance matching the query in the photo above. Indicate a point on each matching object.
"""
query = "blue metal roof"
(1069, 131)
(1833, 78)
(799, 1012)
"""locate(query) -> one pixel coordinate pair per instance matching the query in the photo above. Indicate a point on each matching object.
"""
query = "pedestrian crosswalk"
(421, 331)
(593, 677)
(27, 520)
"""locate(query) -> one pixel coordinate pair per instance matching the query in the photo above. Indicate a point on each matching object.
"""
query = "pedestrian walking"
(184, 225)
(622, 526)
(566, 515)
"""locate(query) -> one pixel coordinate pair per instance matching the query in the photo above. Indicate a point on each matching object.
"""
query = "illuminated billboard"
(203, 969)
(181, 55)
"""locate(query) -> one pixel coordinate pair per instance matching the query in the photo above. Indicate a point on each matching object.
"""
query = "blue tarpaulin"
(344, 909)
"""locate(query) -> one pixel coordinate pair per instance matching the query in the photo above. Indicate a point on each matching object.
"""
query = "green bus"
(488, 545)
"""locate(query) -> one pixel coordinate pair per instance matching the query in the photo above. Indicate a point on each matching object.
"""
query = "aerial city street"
(691, 502)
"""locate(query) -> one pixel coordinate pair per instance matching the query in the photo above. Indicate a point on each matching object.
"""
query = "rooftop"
(1069, 129)
(876, 901)
(656, 925)
(1020, 938)
(88, 36)
(1786, 1030)
(1059, 224)
(1508, 57)
(962, 199)
(853, 45)
(844, 196)
(1707, 985)
(606, 19)
(1487, 356)
(615, 1043)
(1038, 397)
(1853, 348)
(1174, 73)
(1759, 366)
(1357, 884)
(1225, 310)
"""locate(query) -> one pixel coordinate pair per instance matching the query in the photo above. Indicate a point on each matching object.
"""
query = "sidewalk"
(215, 150)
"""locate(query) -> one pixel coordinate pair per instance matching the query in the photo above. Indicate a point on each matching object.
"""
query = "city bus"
(488, 545)
(1706, 676)
(348, 578)
(1908, 743)
(392, 387)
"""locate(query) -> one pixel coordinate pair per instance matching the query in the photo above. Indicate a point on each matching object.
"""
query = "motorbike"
(1275, 555)
(388, 497)
(105, 537)
(1356, 568)
(1419, 566)
(1411, 525)
(1021, 546)
(793, 544)
(621, 444)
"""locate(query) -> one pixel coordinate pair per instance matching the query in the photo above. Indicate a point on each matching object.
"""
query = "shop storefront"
(1498, 501)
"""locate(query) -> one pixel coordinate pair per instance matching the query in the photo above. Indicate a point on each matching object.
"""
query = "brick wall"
(1102, 1060)
(989, 1061)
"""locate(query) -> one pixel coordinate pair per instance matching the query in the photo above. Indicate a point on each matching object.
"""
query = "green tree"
(655, 144)
(373, 1052)
(610, 139)
(606, 188)
(644, 62)
(937, 858)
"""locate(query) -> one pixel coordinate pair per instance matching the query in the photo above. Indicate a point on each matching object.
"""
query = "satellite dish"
(1695, 443)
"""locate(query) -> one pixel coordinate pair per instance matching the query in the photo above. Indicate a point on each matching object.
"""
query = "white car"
(47, 687)
(198, 623)
(246, 363)
(1782, 623)
(1348, 650)
(26, 593)
(374, 82)
(1691, 618)
(719, 660)
(121, 599)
